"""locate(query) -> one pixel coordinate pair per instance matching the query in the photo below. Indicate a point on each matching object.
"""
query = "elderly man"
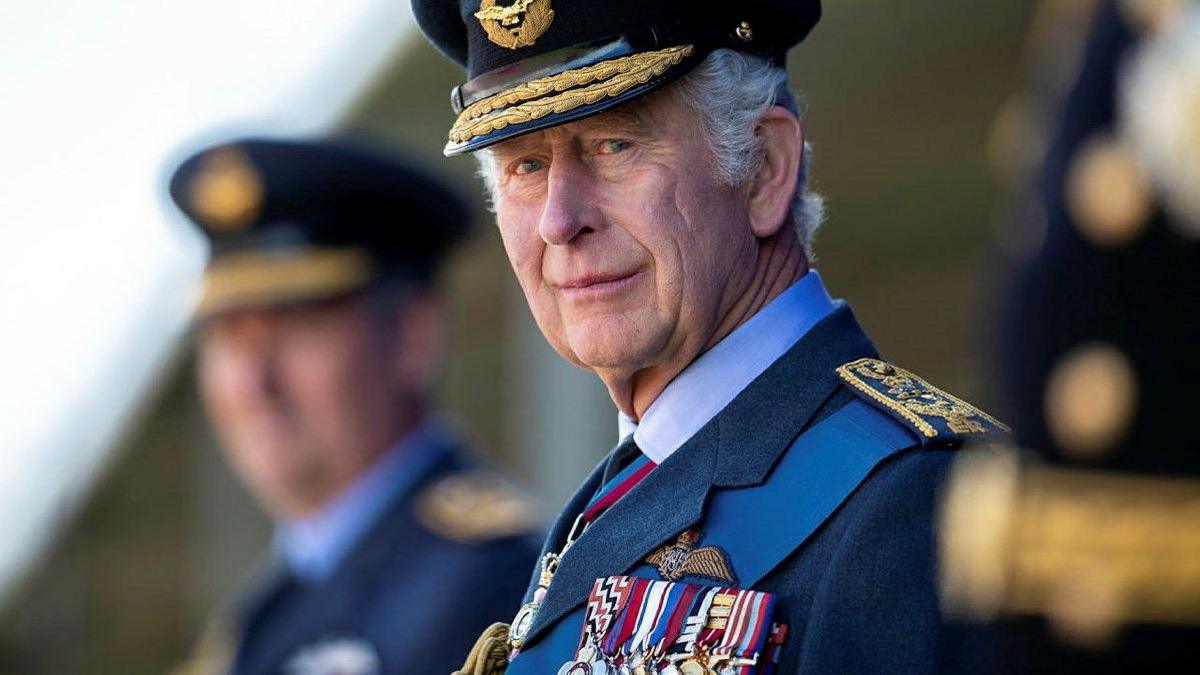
(771, 503)
(318, 340)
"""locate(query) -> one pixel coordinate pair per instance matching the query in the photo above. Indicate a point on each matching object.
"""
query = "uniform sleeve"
(875, 610)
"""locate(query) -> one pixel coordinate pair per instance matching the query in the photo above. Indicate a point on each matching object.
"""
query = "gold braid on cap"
(564, 92)
(256, 278)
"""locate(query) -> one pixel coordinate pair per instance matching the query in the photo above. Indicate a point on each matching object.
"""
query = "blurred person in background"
(1084, 552)
(771, 505)
(319, 339)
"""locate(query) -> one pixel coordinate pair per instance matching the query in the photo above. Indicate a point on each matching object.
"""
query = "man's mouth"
(594, 286)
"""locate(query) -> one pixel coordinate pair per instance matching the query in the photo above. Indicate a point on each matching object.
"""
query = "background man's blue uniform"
(413, 591)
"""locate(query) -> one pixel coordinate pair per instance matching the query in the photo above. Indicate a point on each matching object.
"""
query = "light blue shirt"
(714, 379)
(313, 547)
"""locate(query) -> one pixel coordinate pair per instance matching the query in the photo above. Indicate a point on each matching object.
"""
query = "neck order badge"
(617, 487)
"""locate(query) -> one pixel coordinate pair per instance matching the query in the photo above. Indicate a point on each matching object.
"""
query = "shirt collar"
(314, 546)
(714, 379)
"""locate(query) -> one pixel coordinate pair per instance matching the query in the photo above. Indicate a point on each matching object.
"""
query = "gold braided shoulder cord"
(615, 78)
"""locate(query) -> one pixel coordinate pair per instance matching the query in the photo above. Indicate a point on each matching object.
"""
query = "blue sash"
(760, 526)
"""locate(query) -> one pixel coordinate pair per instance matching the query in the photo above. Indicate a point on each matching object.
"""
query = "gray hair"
(730, 92)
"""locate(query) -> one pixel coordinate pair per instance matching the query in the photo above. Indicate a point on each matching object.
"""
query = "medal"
(693, 666)
(522, 623)
(635, 626)
(584, 668)
(525, 617)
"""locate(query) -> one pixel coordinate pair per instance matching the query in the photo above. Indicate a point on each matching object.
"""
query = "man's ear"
(420, 334)
(772, 188)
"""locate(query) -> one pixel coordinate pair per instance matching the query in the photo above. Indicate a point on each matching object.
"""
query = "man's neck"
(780, 263)
(327, 488)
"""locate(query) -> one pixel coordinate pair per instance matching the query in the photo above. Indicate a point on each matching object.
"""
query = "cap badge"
(517, 24)
(227, 192)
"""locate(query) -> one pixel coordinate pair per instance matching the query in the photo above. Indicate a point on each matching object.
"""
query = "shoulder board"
(476, 506)
(935, 416)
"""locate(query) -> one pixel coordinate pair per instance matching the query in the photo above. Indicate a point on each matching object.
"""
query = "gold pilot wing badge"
(683, 559)
(515, 23)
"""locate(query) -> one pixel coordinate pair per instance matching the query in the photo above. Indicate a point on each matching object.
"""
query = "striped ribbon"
(654, 620)
(618, 486)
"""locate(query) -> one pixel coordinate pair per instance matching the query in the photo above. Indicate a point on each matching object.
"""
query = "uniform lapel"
(736, 448)
(668, 500)
(335, 607)
(757, 426)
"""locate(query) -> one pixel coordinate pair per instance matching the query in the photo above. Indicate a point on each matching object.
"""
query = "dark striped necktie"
(627, 467)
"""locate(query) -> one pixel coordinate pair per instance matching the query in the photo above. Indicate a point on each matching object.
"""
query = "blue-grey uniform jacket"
(819, 482)
(409, 598)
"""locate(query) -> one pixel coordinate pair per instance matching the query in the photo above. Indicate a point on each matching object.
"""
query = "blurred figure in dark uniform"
(318, 343)
(1117, 275)
(1092, 554)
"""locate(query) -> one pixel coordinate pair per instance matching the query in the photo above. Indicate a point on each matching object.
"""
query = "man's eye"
(529, 166)
(614, 145)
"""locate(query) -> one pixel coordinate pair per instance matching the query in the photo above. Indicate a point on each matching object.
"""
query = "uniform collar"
(714, 379)
(315, 546)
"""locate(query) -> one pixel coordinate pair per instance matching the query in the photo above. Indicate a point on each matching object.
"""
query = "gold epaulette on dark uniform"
(476, 506)
(933, 415)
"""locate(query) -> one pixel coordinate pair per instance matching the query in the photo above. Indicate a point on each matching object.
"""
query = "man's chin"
(604, 350)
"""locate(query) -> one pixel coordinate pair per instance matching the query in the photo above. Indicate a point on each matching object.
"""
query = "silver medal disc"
(522, 622)
(580, 668)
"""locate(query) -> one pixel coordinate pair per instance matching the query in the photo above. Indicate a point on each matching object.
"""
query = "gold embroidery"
(256, 278)
(603, 80)
(517, 25)
(1091, 550)
(489, 656)
(227, 192)
(915, 399)
(476, 506)
(682, 558)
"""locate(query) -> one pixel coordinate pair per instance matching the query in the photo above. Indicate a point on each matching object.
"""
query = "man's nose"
(261, 377)
(570, 210)
(257, 359)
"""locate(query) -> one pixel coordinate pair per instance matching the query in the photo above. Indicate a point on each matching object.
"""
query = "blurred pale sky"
(97, 99)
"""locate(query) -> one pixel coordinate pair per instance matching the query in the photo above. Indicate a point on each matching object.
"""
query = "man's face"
(303, 398)
(627, 247)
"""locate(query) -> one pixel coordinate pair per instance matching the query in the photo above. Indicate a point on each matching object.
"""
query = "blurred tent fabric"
(900, 100)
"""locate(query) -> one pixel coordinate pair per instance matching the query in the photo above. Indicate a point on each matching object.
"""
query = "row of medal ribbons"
(636, 626)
